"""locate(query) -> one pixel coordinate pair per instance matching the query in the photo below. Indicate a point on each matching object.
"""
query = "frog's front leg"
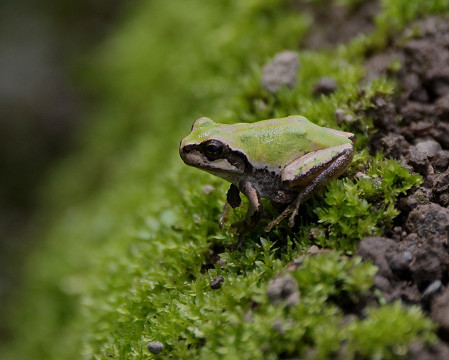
(311, 172)
(254, 208)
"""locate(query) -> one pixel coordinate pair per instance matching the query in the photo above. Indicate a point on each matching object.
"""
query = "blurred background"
(43, 46)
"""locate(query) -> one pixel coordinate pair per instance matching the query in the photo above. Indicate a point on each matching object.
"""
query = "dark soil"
(413, 258)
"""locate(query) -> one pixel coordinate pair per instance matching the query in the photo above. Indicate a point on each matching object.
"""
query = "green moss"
(126, 258)
(365, 206)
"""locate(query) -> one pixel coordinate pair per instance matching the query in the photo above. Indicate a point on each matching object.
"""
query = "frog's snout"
(185, 151)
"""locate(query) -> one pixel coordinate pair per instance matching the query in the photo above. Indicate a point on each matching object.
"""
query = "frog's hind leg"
(307, 174)
(333, 170)
(281, 217)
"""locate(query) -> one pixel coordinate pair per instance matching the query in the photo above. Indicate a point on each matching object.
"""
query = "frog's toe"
(291, 221)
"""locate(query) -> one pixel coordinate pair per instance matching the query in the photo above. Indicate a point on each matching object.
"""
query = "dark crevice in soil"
(413, 258)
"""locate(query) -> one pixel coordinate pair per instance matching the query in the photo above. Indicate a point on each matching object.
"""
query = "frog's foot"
(295, 207)
(281, 217)
(291, 220)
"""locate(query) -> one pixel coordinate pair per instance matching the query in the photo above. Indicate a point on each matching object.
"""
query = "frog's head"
(205, 149)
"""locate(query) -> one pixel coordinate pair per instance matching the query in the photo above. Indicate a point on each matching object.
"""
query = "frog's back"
(277, 142)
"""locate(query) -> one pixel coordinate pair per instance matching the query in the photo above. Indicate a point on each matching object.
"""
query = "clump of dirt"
(413, 259)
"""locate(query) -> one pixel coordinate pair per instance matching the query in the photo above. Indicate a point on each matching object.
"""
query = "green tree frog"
(285, 160)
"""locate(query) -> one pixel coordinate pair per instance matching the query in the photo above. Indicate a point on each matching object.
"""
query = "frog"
(285, 160)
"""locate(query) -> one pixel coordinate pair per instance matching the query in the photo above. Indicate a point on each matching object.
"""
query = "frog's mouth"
(220, 167)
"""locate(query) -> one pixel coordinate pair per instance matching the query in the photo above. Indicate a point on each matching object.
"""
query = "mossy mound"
(133, 241)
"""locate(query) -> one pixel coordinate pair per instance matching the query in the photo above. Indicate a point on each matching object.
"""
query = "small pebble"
(155, 347)
(282, 71)
(215, 283)
(339, 116)
(325, 86)
(284, 288)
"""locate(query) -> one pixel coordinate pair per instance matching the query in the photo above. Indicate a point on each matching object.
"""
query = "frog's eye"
(213, 149)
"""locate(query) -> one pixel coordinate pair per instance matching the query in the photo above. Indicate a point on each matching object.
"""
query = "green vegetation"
(365, 207)
(125, 256)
